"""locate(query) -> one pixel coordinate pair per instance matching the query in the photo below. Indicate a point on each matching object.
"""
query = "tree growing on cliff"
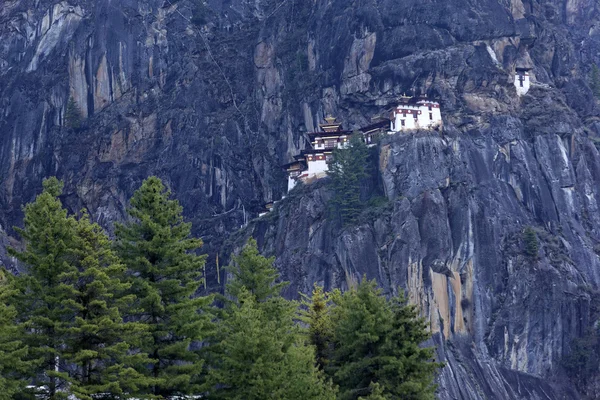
(347, 169)
(48, 234)
(595, 80)
(72, 115)
(165, 273)
(258, 351)
(531, 242)
(376, 347)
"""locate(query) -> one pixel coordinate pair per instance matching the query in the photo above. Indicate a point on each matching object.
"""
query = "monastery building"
(410, 114)
(522, 80)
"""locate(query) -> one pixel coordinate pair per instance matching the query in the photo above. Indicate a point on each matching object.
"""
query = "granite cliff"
(213, 96)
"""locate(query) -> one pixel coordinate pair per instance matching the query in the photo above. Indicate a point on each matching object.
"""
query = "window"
(429, 108)
(431, 116)
(402, 122)
(415, 115)
(404, 115)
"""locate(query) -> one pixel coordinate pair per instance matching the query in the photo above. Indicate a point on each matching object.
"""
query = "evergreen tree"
(72, 115)
(165, 274)
(259, 352)
(255, 273)
(531, 242)
(14, 369)
(48, 234)
(595, 81)
(316, 317)
(97, 342)
(376, 342)
(347, 169)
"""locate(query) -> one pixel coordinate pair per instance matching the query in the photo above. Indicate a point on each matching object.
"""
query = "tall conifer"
(48, 234)
(159, 252)
(14, 369)
(97, 348)
(377, 348)
(316, 317)
(348, 168)
(259, 352)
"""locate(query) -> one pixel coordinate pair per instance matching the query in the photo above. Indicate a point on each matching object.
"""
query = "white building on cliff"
(313, 163)
(522, 80)
(416, 113)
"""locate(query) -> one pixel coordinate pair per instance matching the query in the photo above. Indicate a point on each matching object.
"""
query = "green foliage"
(255, 273)
(376, 393)
(347, 169)
(72, 115)
(531, 242)
(259, 352)
(377, 341)
(48, 234)
(165, 274)
(14, 369)
(96, 341)
(595, 81)
(316, 317)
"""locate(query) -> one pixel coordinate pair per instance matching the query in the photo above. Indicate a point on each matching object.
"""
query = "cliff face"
(213, 96)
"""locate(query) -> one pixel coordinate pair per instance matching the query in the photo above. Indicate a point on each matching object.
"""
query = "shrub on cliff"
(595, 81)
(531, 242)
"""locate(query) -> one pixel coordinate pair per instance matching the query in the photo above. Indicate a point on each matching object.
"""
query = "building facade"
(313, 163)
(522, 80)
(414, 113)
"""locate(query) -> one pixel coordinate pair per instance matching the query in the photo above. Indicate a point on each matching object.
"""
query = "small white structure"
(414, 113)
(522, 81)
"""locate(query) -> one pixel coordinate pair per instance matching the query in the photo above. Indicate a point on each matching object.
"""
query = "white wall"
(291, 182)
(317, 167)
(423, 121)
(521, 90)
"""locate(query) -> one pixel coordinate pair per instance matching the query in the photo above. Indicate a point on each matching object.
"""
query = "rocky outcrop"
(214, 96)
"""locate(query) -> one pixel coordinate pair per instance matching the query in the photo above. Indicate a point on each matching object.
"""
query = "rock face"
(214, 96)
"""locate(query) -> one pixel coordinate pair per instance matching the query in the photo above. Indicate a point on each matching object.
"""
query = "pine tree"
(377, 342)
(165, 273)
(48, 234)
(97, 342)
(72, 115)
(316, 317)
(254, 272)
(595, 81)
(347, 169)
(14, 369)
(531, 242)
(259, 352)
